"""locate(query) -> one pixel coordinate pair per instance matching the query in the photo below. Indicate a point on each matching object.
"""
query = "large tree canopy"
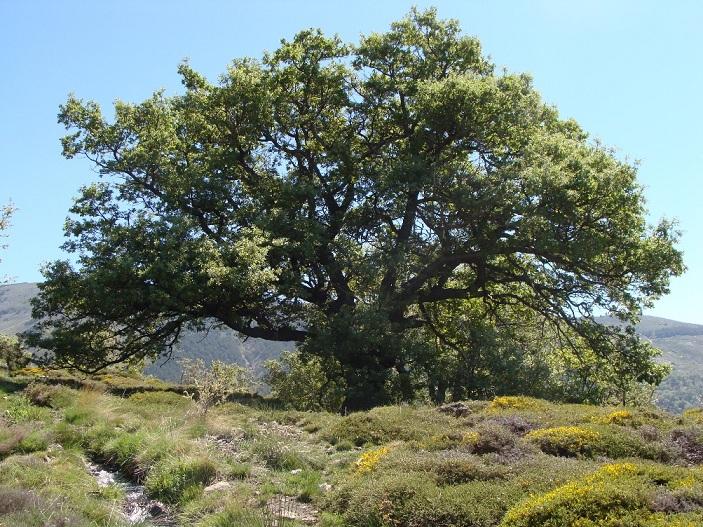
(339, 196)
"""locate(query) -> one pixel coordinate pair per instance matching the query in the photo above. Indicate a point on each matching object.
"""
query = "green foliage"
(412, 499)
(47, 395)
(19, 409)
(395, 206)
(177, 479)
(39, 486)
(305, 382)
(214, 384)
(418, 466)
(385, 424)
(280, 456)
(591, 441)
(12, 354)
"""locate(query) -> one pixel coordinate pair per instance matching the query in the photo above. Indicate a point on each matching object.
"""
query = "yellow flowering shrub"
(32, 371)
(369, 459)
(617, 494)
(618, 417)
(516, 402)
(565, 440)
(693, 415)
(470, 438)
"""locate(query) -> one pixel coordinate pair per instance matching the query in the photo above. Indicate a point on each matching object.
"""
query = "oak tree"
(330, 194)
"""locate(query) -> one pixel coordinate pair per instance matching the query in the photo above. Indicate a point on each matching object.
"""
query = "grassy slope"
(511, 462)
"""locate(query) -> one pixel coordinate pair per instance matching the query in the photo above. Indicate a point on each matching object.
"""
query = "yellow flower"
(618, 417)
(368, 460)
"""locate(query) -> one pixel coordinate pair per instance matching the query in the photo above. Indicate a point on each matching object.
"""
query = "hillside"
(681, 343)
(152, 459)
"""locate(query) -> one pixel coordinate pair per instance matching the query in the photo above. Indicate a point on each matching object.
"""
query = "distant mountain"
(217, 344)
(680, 342)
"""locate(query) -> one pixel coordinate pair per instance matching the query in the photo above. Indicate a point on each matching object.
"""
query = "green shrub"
(389, 423)
(124, 448)
(19, 409)
(453, 471)
(50, 395)
(236, 515)
(179, 479)
(80, 415)
(216, 382)
(33, 442)
(613, 442)
(397, 499)
(303, 383)
(565, 440)
(279, 456)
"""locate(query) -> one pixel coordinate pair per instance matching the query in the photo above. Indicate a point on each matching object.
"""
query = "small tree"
(12, 354)
(216, 383)
(6, 212)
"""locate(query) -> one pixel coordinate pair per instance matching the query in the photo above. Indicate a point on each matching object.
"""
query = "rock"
(457, 409)
(220, 485)
(296, 471)
(156, 509)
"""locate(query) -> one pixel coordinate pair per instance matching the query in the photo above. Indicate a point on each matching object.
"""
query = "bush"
(14, 500)
(216, 383)
(12, 354)
(389, 423)
(596, 441)
(21, 410)
(565, 440)
(619, 417)
(687, 444)
(48, 395)
(453, 471)
(399, 499)
(369, 459)
(615, 495)
(33, 442)
(10, 440)
(494, 438)
(177, 479)
(278, 456)
(516, 402)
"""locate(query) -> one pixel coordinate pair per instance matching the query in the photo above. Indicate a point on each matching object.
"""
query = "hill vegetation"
(509, 462)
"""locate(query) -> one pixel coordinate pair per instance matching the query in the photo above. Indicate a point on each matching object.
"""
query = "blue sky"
(631, 72)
